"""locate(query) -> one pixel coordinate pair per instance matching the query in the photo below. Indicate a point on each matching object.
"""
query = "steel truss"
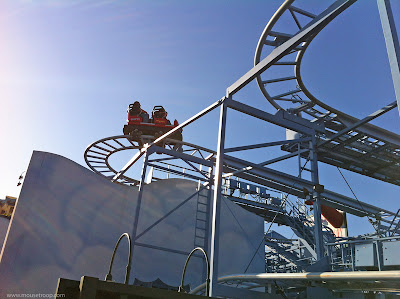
(324, 134)
(346, 143)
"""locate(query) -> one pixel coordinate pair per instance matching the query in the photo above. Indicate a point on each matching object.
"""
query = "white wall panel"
(4, 222)
(68, 219)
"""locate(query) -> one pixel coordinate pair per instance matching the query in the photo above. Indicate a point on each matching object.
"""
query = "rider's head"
(134, 108)
(160, 113)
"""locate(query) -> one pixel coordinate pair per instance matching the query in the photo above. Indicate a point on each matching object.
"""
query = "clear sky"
(68, 70)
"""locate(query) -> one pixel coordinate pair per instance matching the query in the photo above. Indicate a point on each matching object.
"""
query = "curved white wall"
(4, 222)
(68, 219)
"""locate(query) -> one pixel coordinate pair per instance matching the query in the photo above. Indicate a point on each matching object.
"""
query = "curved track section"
(299, 98)
(98, 153)
(365, 149)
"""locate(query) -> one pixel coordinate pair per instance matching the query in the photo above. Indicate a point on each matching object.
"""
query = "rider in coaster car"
(135, 109)
(160, 113)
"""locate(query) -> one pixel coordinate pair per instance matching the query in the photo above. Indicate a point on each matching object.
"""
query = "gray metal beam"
(139, 202)
(281, 118)
(284, 157)
(318, 236)
(184, 157)
(216, 203)
(129, 164)
(287, 182)
(263, 181)
(166, 135)
(371, 130)
(268, 173)
(278, 80)
(315, 26)
(261, 145)
(260, 205)
(271, 161)
(348, 141)
(360, 123)
(177, 172)
(285, 94)
(303, 12)
(189, 121)
(295, 191)
(392, 43)
(196, 169)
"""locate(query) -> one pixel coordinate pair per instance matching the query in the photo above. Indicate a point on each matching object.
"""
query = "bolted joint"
(319, 188)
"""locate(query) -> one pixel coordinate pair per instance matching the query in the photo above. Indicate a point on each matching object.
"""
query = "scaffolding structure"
(318, 133)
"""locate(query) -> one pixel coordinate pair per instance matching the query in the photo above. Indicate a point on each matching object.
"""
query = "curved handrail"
(128, 266)
(207, 283)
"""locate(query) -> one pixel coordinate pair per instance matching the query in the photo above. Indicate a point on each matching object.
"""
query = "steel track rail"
(97, 155)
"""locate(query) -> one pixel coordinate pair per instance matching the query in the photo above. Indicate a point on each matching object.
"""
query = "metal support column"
(209, 211)
(392, 44)
(139, 202)
(319, 244)
(216, 205)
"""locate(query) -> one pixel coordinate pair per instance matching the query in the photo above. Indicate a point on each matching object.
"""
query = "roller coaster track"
(348, 142)
(97, 155)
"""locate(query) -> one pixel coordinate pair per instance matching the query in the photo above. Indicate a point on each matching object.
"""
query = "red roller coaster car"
(139, 123)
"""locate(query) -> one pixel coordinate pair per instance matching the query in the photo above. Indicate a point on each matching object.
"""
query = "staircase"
(391, 226)
(286, 254)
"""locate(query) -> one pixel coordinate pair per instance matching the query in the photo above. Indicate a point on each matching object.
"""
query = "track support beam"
(216, 203)
(392, 44)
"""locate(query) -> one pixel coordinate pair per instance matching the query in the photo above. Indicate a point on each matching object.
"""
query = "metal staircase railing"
(296, 215)
(393, 227)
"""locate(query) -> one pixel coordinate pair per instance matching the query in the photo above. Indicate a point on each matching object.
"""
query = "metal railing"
(362, 253)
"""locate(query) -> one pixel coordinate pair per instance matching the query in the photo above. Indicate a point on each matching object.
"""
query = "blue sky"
(70, 68)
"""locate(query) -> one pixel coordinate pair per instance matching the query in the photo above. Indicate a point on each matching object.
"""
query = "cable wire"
(241, 227)
(272, 222)
(355, 196)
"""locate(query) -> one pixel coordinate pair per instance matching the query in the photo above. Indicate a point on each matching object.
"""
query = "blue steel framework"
(325, 134)
(392, 44)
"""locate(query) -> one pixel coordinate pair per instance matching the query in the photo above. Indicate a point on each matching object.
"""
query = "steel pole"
(139, 200)
(319, 244)
(216, 205)
(392, 44)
